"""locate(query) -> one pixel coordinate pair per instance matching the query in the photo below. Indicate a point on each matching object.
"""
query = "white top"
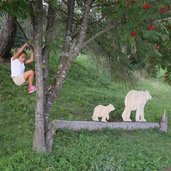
(17, 68)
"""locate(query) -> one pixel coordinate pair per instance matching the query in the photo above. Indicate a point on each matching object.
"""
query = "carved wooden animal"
(135, 101)
(103, 112)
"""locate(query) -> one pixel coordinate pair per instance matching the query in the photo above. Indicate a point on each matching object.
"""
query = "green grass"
(103, 150)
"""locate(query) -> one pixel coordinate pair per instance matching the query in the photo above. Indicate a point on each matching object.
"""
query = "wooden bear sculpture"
(135, 101)
(103, 112)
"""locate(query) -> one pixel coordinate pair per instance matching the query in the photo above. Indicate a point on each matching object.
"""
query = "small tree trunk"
(39, 144)
(46, 51)
(64, 65)
(67, 58)
(43, 133)
(39, 138)
(7, 35)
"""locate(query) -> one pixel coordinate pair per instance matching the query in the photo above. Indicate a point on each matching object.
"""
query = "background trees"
(9, 11)
(141, 35)
(7, 35)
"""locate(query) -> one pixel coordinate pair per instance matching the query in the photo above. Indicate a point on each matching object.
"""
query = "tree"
(72, 46)
(140, 40)
(7, 35)
(69, 53)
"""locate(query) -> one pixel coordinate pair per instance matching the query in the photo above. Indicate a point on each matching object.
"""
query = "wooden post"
(164, 123)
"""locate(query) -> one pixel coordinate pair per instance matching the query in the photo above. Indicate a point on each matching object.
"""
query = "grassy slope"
(98, 150)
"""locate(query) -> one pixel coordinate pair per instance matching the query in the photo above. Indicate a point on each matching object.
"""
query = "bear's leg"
(95, 118)
(105, 117)
(126, 115)
(137, 115)
(142, 115)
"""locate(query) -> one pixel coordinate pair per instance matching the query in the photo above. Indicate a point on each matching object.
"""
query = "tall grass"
(98, 150)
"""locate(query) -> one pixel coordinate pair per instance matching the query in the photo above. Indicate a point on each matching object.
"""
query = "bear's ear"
(110, 105)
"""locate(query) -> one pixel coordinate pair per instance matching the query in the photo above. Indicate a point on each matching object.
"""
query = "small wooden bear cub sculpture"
(103, 112)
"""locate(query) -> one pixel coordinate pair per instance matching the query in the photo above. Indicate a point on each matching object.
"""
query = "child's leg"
(28, 76)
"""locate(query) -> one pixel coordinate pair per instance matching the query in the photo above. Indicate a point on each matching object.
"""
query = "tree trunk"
(67, 58)
(7, 36)
(63, 68)
(43, 133)
(39, 144)
(46, 51)
(68, 55)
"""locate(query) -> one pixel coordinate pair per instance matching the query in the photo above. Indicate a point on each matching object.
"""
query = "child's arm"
(30, 59)
(20, 50)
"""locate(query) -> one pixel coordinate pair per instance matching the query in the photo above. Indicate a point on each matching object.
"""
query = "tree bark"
(7, 36)
(48, 39)
(64, 65)
(39, 144)
(46, 51)
(43, 133)
(67, 58)
(68, 55)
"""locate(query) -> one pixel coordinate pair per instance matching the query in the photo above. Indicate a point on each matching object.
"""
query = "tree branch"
(19, 25)
(162, 20)
(46, 50)
(98, 34)
(83, 29)
(66, 61)
(69, 25)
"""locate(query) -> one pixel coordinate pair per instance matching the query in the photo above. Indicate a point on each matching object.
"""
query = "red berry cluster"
(146, 6)
(133, 34)
(151, 27)
(163, 10)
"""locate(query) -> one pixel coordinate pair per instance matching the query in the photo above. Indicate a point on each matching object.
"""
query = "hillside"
(98, 150)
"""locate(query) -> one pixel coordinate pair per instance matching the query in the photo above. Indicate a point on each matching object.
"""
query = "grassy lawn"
(106, 150)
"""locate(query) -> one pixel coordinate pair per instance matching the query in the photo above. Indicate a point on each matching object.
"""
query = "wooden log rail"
(92, 125)
(162, 126)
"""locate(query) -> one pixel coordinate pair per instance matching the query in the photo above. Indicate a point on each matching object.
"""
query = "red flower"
(151, 27)
(146, 6)
(134, 34)
(164, 9)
